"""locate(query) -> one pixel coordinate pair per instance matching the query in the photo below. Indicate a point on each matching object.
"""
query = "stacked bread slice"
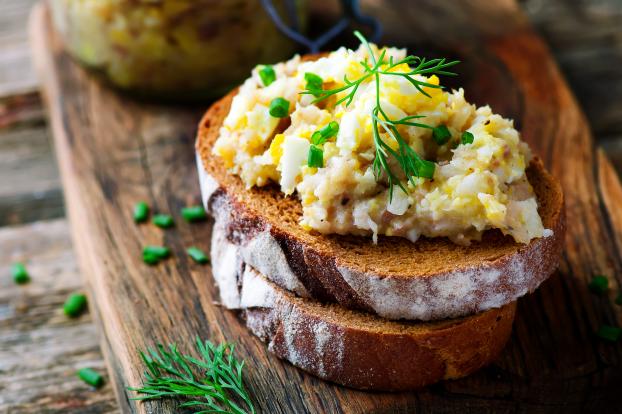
(388, 316)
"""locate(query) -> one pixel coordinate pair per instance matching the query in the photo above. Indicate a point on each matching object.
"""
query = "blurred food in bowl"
(174, 49)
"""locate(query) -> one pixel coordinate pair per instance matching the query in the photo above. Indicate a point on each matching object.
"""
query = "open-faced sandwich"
(374, 228)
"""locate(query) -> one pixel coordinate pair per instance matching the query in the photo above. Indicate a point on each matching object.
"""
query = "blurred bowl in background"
(175, 50)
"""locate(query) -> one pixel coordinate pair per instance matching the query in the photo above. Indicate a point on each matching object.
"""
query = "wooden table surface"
(40, 349)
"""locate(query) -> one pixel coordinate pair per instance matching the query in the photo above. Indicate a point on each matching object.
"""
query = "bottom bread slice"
(351, 348)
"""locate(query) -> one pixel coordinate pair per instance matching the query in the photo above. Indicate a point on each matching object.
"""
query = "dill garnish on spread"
(408, 160)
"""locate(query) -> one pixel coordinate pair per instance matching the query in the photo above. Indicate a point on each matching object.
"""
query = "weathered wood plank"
(40, 348)
(586, 38)
(30, 187)
(114, 152)
(16, 72)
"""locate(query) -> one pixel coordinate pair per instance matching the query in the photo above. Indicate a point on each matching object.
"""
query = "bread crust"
(352, 348)
(396, 279)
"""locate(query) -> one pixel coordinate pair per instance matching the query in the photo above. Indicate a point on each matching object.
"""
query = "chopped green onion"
(161, 252)
(75, 305)
(153, 254)
(163, 220)
(316, 157)
(279, 107)
(141, 212)
(20, 274)
(194, 213)
(441, 134)
(467, 138)
(197, 255)
(314, 83)
(267, 75)
(91, 377)
(618, 300)
(599, 284)
(609, 333)
(323, 134)
(425, 168)
(150, 258)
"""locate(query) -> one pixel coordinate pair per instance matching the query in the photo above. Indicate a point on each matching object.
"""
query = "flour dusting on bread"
(361, 350)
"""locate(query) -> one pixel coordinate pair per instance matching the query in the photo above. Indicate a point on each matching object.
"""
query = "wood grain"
(40, 348)
(586, 39)
(17, 74)
(114, 152)
(30, 187)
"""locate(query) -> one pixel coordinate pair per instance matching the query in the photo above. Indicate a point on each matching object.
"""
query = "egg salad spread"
(368, 153)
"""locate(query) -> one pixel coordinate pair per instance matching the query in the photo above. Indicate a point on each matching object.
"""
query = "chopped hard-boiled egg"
(295, 150)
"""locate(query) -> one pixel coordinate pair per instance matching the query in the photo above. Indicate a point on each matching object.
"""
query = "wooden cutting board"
(114, 151)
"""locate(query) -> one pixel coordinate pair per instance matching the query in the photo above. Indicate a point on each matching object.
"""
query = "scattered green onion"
(314, 83)
(163, 220)
(197, 255)
(316, 157)
(618, 300)
(609, 333)
(324, 134)
(150, 259)
(467, 138)
(161, 252)
(441, 134)
(153, 254)
(91, 377)
(141, 212)
(279, 107)
(267, 75)
(20, 274)
(75, 305)
(194, 213)
(599, 284)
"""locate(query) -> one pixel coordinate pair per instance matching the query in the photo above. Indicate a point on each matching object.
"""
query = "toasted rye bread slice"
(353, 348)
(397, 279)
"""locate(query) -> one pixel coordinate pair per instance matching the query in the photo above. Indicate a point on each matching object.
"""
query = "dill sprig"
(211, 383)
(410, 163)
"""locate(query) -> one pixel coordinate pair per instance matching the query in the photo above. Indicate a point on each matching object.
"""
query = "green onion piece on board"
(75, 305)
(141, 212)
(197, 255)
(314, 83)
(609, 333)
(20, 274)
(150, 258)
(91, 377)
(279, 107)
(194, 213)
(163, 221)
(161, 252)
(267, 75)
(441, 134)
(467, 138)
(599, 284)
(618, 300)
(316, 157)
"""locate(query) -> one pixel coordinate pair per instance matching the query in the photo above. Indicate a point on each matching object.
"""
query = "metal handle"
(351, 12)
